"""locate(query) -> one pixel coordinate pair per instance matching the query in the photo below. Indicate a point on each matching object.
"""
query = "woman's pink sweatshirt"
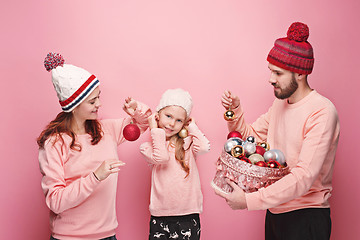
(81, 206)
(171, 193)
(307, 132)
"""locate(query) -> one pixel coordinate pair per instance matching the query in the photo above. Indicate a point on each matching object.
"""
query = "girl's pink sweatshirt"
(81, 206)
(307, 132)
(171, 193)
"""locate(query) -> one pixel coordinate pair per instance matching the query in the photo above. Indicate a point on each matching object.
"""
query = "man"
(304, 125)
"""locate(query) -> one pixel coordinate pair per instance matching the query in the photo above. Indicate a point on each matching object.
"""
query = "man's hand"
(236, 199)
(230, 100)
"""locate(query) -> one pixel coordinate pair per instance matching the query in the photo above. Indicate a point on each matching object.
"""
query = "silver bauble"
(251, 139)
(270, 156)
(279, 156)
(232, 142)
(249, 148)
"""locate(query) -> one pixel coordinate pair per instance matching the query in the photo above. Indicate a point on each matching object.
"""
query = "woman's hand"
(108, 167)
(130, 105)
(229, 100)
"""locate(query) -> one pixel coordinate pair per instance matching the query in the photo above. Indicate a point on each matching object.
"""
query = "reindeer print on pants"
(185, 227)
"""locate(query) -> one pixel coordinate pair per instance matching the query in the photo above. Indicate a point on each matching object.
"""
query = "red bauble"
(273, 164)
(260, 150)
(234, 134)
(261, 164)
(245, 159)
(131, 132)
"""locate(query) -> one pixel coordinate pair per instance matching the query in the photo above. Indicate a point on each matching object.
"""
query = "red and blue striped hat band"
(80, 95)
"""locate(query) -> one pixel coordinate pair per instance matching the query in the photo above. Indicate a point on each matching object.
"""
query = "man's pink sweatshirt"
(307, 132)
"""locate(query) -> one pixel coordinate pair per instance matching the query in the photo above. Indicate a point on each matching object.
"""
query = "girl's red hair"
(180, 153)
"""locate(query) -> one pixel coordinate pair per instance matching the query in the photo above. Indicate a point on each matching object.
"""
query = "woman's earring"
(183, 133)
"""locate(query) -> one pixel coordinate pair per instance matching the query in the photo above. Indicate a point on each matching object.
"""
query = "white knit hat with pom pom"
(176, 97)
(72, 84)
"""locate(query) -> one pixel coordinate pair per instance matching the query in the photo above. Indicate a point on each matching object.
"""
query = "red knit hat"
(293, 53)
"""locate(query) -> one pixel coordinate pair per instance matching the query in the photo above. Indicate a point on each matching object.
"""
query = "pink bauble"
(131, 132)
(234, 134)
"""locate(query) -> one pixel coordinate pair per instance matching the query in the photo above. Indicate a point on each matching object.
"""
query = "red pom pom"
(53, 60)
(131, 132)
(298, 31)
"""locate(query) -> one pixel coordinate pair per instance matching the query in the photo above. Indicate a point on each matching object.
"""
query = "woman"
(78, 155)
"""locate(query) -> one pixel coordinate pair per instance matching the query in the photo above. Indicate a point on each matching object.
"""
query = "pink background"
(140, 48)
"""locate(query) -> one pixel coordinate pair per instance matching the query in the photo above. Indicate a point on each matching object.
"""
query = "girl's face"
(172, 120)
(88, 109)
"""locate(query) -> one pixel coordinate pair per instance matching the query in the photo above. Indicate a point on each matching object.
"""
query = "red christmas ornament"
(234, 134)
(245, 159)
(261, 164)
(131, 132)
(260, 150)
(273, 164)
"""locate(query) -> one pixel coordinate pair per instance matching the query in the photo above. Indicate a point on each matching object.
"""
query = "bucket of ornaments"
(248, 163)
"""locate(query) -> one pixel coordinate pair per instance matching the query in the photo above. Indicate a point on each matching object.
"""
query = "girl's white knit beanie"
(176, 97)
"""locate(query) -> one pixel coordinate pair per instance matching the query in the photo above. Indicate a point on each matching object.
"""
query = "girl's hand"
(108, 167)
(229, 100)
(153, 120)
(130, 105)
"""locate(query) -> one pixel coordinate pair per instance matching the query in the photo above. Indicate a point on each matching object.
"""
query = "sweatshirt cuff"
(141, 113)
(158, 137)
(238, 112)
(93, 181)
(253, 201)
(192, 127)
(157, 133)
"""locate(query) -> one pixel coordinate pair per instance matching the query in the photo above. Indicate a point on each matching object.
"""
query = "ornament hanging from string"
(229, 115)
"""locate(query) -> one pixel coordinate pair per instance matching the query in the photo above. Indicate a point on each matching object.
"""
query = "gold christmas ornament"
(237, 151)
(183, 133)
(265, 145)
(229, 115)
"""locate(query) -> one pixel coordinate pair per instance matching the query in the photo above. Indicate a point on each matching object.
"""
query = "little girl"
(78, 155)
(176, 198)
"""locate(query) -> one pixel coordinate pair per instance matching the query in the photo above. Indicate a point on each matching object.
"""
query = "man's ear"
(300, 77)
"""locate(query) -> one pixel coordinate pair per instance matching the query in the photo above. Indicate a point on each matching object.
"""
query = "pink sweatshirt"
(307, 132)
(81, 206)
(171, 193)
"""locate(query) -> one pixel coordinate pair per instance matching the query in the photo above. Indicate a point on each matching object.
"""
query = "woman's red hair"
(62, 124)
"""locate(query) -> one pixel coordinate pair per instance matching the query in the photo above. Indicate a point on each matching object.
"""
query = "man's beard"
(288, 91)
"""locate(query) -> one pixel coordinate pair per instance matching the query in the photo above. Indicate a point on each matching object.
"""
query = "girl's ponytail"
(180, 153)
